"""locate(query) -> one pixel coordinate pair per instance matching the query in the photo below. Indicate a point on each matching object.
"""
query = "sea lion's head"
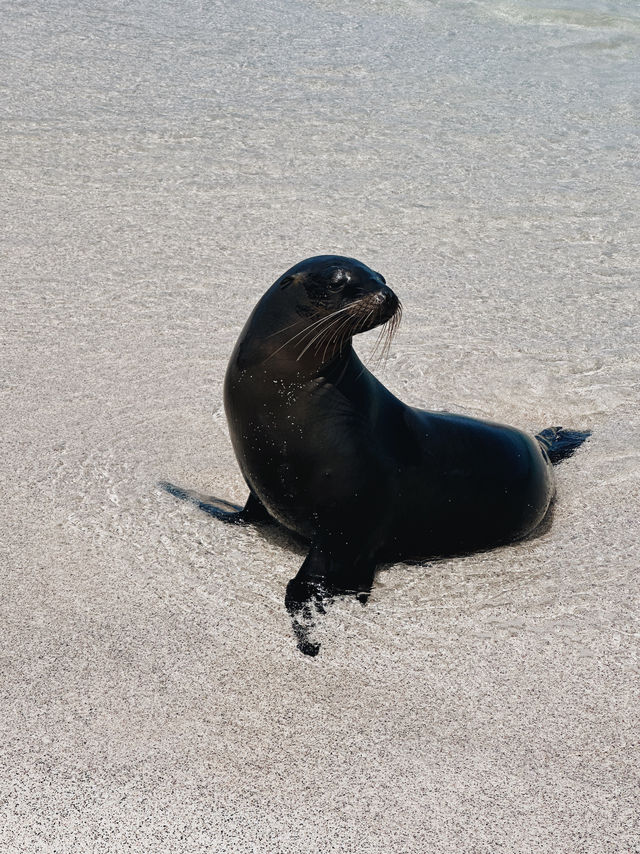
(328, 283)
(309, 315)
(332, 298)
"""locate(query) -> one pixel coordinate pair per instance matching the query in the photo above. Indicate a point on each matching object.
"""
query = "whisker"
(284, 328)
(376, 348)
(331, 336)
(307, 329)
(340, 334)
(322, 332)
(382, 348)
(331, 331)
(365, 320)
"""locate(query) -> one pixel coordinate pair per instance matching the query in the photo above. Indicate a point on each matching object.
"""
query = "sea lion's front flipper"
(320, 579)
(252, 512)
(307, 597)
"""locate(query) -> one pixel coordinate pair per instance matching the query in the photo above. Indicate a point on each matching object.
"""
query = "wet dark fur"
(329, 453)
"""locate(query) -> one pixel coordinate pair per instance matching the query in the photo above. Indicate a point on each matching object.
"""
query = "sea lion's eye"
(337, 280)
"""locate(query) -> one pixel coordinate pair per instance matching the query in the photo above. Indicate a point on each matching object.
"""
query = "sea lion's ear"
(288, 280)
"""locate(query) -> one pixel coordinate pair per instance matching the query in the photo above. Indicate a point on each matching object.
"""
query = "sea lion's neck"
(342, 365)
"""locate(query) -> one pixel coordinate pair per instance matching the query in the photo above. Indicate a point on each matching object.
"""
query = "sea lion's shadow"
(307, 602)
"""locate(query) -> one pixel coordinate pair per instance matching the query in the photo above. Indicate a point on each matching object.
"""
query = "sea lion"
(329, 453)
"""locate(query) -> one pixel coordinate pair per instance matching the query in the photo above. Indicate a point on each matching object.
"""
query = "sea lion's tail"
(560, 443)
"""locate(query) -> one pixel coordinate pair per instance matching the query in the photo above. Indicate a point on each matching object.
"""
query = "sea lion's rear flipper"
(559, 443)
(320, 579)
(253, 511)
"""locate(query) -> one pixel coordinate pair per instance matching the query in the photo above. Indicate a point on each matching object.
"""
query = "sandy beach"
(162, 165)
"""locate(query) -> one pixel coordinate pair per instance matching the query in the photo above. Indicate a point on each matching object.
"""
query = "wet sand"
(161, 168)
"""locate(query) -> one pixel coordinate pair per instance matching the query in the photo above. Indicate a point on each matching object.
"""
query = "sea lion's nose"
(385, 295)
(387, 302)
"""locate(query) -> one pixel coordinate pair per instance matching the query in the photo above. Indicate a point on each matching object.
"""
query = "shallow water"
(161, 167)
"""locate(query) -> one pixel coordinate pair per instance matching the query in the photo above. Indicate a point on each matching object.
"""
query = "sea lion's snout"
(383, 295)
(386, 302)
(375, 307)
